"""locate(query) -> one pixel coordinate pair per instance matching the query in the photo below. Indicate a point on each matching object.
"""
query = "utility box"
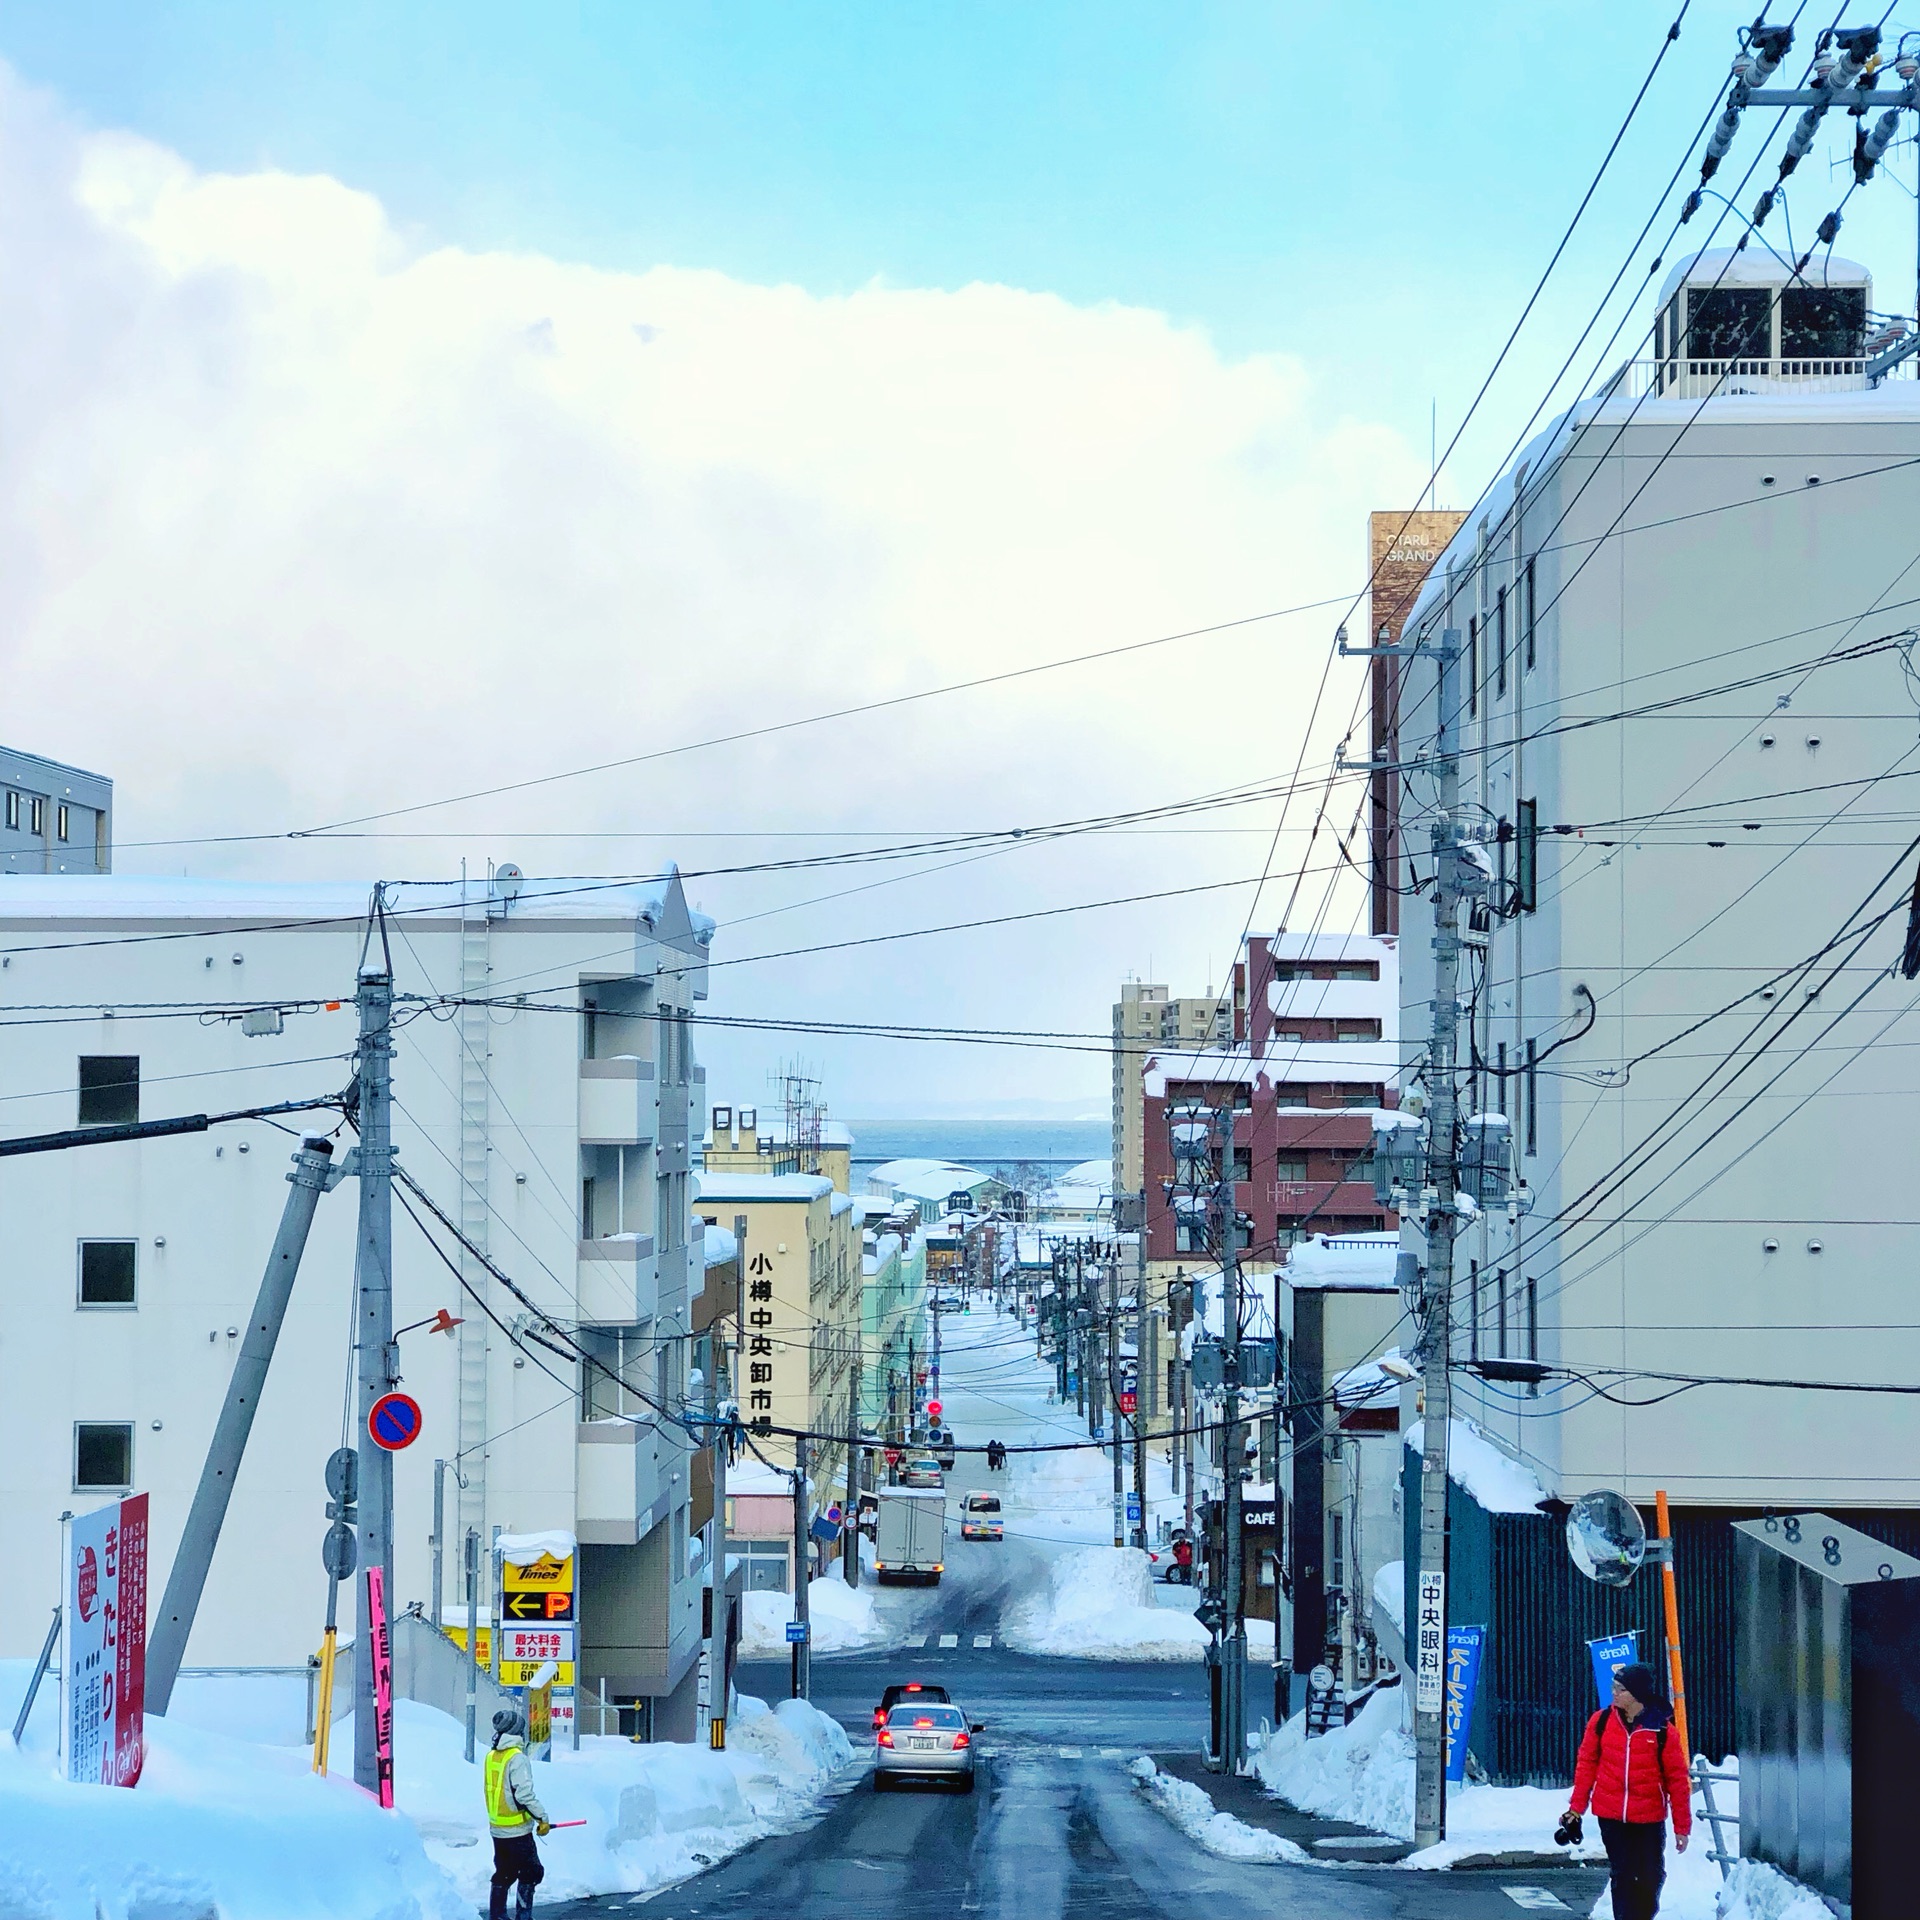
(1827, 1676)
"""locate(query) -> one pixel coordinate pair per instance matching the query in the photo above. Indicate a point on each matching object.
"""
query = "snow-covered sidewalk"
(243, 1828)
(1098, 1604)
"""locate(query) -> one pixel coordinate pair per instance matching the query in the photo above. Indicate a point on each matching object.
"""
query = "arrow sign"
(540, 1606)
(394, 1421)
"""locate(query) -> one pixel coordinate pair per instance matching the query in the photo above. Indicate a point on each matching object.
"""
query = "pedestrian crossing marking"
(1535, 1899)
(949, 1640)
(983, 1639)
(916, 1639)
(1071, 1753)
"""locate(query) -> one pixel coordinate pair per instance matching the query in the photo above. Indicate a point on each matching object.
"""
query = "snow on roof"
(1345, 1263)
(1286, 1063)
(755, 1476)
(523, 1549)
(886, 1247)
(1383, 947)
(1369, 1384)
(266, 904)
(718, 1245)
(1496, 1481)
(1754, 267)
(925, 1179)
(841, 1204)
(762, 1186)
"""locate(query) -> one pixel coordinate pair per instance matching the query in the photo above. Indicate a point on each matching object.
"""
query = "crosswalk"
(948, 1642)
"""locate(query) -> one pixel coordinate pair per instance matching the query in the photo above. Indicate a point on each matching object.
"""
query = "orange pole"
(1671, 1594)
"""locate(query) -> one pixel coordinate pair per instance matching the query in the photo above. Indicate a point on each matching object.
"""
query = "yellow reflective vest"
(504, 1814)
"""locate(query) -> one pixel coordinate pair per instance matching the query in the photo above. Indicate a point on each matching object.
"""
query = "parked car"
(921, 1470)
(980, 1517)
(909, 1691)
(923, 1741)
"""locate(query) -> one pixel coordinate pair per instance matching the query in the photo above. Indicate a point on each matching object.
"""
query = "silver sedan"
(925, 1742)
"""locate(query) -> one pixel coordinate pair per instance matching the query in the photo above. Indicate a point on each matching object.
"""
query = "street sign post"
(394, 1421)
(797, 1634)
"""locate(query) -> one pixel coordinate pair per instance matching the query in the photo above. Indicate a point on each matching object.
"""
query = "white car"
(980, 1517)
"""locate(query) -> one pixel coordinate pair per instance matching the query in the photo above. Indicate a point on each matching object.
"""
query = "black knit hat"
(1639, 1681)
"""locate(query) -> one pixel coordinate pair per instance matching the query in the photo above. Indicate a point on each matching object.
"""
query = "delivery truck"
(910, 1534)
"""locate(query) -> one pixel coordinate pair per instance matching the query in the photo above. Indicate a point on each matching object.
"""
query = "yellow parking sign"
(545, 1575)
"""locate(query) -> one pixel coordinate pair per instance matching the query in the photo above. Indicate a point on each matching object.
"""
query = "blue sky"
(1370, 188)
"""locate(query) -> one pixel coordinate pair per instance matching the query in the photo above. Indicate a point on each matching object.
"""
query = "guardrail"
(1688, 379)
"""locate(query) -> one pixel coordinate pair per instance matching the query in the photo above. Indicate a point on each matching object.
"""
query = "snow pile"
(1755, 1891)
(1188, 1807)
(1363, 1773)
(844, 1620)
(1098, 1605)
(1497, 1481)
(1390, 1592)
(215, 1826)
(243, 1829)
(655, 1813)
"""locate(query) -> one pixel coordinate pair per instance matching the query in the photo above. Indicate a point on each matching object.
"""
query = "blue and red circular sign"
(394, 1421)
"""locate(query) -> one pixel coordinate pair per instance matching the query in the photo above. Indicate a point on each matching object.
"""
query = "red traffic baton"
(556, 1825)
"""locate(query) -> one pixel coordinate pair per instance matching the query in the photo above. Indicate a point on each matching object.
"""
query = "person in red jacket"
(1633, 1772)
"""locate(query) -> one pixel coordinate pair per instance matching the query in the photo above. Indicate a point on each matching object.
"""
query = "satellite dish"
(508, 880)
(1606, 1537)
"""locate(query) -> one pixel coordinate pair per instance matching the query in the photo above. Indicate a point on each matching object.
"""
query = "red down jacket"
(1625, 1774)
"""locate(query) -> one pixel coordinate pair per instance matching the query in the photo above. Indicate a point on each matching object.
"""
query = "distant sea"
(985, 1144)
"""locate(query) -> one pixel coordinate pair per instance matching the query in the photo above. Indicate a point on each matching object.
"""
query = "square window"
(107, 1272)
(109, 1089)
(102, 1456)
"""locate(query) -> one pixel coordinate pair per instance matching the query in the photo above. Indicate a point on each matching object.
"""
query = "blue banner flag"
(1609, 1656)
(1464, 1648)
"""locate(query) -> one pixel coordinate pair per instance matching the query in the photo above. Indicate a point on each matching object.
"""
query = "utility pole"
(802, 1649)
(850, 1514)
(312, 1174)
(1113, 1393)
(1233, 1650)
(373, 1333)
(1457, 873)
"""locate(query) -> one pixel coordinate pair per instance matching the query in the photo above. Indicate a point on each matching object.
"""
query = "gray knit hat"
(509, 1720)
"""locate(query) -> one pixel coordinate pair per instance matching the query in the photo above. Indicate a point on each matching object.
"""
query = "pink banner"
(382, 1682)
(130, 1656)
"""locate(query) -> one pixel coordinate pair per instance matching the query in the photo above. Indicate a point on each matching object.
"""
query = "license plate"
(923, 1746)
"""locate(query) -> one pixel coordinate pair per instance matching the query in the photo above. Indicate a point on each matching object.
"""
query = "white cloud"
(299, 519)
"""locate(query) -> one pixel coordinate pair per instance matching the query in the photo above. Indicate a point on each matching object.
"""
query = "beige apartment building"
(1147, 1019)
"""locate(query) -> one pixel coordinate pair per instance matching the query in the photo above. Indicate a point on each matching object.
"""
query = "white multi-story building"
(547, 1115)
(1687, 618)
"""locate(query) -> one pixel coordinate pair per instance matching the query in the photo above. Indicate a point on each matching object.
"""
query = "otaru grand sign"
(103, 1673)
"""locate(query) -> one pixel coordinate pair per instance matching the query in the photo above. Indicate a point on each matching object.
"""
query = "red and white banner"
(103, 1677)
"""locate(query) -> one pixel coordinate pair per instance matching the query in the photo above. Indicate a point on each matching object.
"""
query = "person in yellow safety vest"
(515, 1815)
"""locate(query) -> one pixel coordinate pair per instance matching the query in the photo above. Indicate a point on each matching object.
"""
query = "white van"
(980, 1517)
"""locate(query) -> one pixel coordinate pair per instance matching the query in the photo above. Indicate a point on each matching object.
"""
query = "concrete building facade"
(53, 818)
(548, 1117)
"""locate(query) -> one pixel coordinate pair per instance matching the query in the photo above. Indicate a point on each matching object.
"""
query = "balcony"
(617, 1279)
(617, 1102)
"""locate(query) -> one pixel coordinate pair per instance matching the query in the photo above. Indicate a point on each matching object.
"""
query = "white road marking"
(1536, 1899)
(949, 1639)
(916, 1639)
(1070, 1753)
(983, 1639)
(1113, 1753)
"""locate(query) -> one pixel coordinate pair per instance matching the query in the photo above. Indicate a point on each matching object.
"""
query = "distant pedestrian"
(1183, 1560)
(515, 1815)
(1634, 1773)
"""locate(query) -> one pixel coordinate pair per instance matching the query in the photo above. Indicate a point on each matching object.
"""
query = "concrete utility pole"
(1233, 1647)
(178, 1605)
(850, 1514)
(802, 1554)
(1457, 874)
(373, 1335)
(719, 1642)
(1113, 1390)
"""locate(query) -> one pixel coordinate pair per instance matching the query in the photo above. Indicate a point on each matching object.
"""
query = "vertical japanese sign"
(1465, 1645)
(382, 1682)
(1429, 1642)
(1609, 1656)
(103, 1678)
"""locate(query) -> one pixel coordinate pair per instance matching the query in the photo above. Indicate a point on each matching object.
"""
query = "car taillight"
(913, 1686)
(923, 1723)
(886, 1739)
(963, 1740)
(879, 1717)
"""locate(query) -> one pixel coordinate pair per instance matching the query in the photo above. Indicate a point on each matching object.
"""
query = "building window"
(1357, 1030)
(109, 1089)
(1500, 643)
(1290, 1166)
(1533, 1317)
(13, 811)
(1530, 611)
(1533, 1096)
(102, 1456)
(1473, 663)
(60, 820)
(107, 1272)
(37, 815)
(1526, 856)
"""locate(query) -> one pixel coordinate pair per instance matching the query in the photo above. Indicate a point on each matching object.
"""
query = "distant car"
(980, 1517)
(921, 1470)
(910, 1691)
(922, 1741)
